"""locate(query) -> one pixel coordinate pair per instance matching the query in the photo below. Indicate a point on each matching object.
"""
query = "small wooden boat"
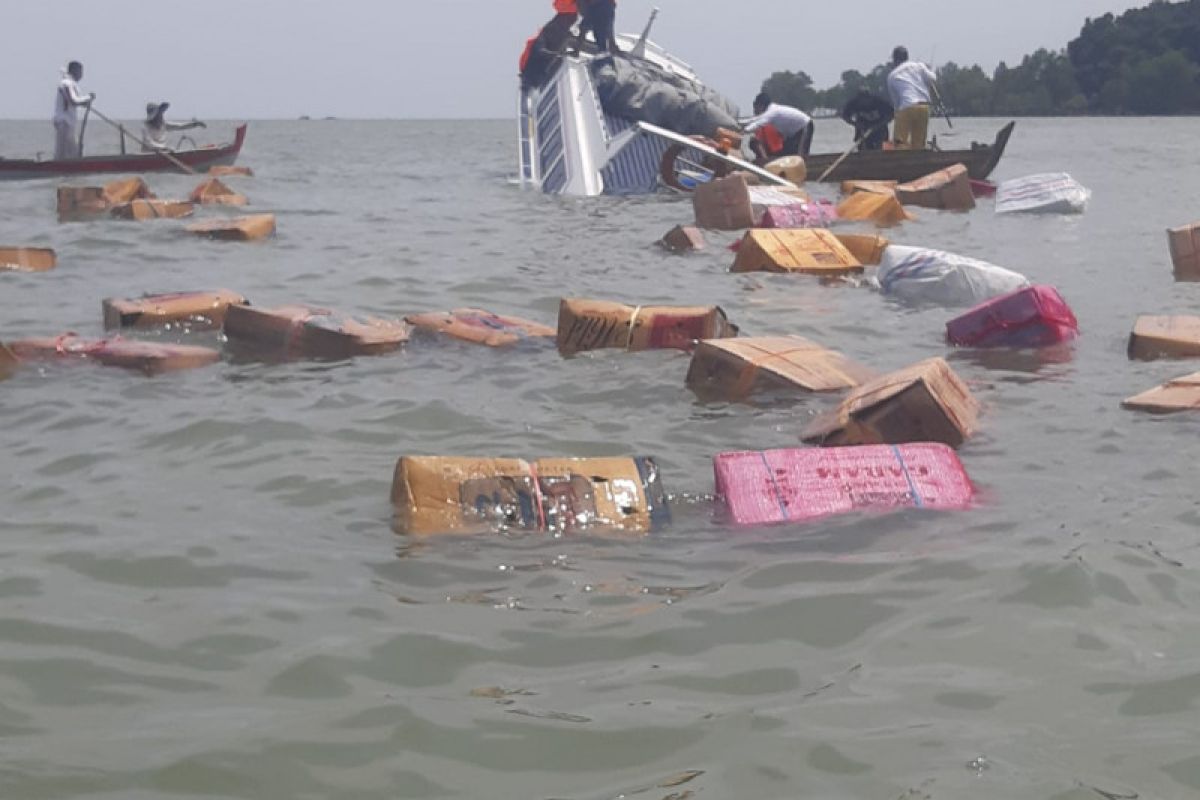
(199, 159)
(908, 165)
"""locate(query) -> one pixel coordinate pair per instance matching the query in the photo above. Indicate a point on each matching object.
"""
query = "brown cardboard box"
(8, 361)
(810, 251)
(736, 368)
(1179, 394)
(126, 190)
(27, 259)
(148, 357)
(1185, 250)
(196, 309)
(791, 168)
(683, 238)
(79, 203)
(926, 402)
(152, 209)
(304, 332)
(480, 327)
(948, 189)
(213, 192)
(866, 247)
(871, 187)
(597, 324)
(433, 495)
(1165, 337)
(222, 171)
(883, 210)
(236, 229)
(724, 204)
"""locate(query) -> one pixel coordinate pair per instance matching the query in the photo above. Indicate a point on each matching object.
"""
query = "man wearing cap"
(155, 128)
(68, 98)
(911, 85)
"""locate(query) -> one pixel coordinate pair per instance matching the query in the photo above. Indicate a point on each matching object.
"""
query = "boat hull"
(908, 165)
(199, 159)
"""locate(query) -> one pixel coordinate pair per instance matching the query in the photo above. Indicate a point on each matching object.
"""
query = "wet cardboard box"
(599, 324)
(126, 190)
(194, 309)
(790, 168)
(724, 204)
(1178, 394)
(8, 361)
(872, 187)
(809, 251)
(1036, 316)
(152, 209)
(866, 247)
(27, 259)
(213, 192)
(433, 495)
(1184, 244)
(880, 209)
(150, 358)
(948, 190)
(801, 485)
(225, 171)
(1165, 337)
(737, 368)
(926, 402)
(236, 229)
(481, 327)
(811, 214)
(306, 332)
(81, 203)
(683, 239)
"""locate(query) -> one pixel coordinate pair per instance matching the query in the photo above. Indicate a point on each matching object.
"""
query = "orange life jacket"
(528, 51)
(566, 7)
(771, 138)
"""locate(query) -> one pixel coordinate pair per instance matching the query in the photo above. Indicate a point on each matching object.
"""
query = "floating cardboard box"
(1036, 316)
(305, 332)
(790, 168)
(480, 327)
(948, 189)
(736, 368)
(236, 229)
(813, 214)
(223, 171)
(8, 361)
(1179, 394)
(776, 486)
(1050, 193)
(881, 209)
(147, 357)
(79, 203)
(887, 188)
(810, 251)
(724, 204)
(434, 495)
(153, 209)
(213, 192)
(1165, 337)
(866, 247)
(682, 239)
(598, 324)
(195, 309)
(1185, 250)
(126, 190)
(27, 259)
(926, 402)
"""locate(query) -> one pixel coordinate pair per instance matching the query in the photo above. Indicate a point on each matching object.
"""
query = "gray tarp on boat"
(636, 89)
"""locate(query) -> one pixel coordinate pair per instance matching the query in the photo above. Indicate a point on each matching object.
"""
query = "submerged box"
(27, 259)
(736, 368)
(871, 187)
(152, 209)
(947, 189)
(803, 214)
(926, 402)
(1165, 337)
(790, 168)
(599, 324)
(1178, 394)
(480, 327)
(1036, 316)
(1185, 250)
(866, 247)
(222, 171)
(213, 192)
(8, 360)
(799, 485)
(306, 332)
(682, 239)
(79, 203)
(196, 309)
(724, 204)
(432, 494)
(151, 358)
(810, 251)
(883, 210)
(236, 229)
(126, 190)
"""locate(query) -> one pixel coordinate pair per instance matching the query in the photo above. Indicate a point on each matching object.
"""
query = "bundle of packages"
(1049, 193)
(152, 358)
(933, 276)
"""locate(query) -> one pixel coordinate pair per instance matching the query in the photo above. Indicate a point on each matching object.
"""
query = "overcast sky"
(457, 58)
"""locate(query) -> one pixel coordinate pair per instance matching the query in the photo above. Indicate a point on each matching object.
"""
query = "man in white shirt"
(66, 100)
(911, 85)
(778, 130)
(156, 127)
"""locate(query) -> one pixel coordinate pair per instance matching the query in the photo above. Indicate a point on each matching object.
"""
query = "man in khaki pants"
(911, 85)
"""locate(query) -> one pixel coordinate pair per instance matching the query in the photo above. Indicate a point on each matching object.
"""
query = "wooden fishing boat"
(908, 165)
(199, 159)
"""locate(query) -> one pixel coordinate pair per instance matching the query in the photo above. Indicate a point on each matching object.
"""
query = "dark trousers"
(599, 16)
(874, 141)
(799, 143)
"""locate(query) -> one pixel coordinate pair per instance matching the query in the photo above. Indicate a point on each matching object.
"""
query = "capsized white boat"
(568, 144)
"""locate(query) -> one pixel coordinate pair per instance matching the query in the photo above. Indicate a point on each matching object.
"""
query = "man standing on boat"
(912, 86)
(66, 100)
(156, 127)
(870, 115)
(599, 17)
(778, 130)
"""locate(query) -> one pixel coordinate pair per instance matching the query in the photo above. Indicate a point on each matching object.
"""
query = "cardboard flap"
(791, 360)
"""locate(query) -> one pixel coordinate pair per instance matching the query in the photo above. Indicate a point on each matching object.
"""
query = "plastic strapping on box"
(537, 495)
(774, 486)
(632, 324)
(912, 487)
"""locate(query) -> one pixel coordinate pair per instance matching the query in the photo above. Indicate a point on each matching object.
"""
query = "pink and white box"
(799, 485)
(1035, 316)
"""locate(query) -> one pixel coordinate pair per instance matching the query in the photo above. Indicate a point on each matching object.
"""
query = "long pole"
(846, 154)
(147, 146)
(83, 128)
(941, 104)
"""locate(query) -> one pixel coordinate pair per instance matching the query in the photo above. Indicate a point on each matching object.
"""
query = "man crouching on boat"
(156, 127)
(778, 130)
(67, 99)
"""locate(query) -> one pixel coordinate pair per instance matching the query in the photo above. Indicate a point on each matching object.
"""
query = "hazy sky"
(457, 58)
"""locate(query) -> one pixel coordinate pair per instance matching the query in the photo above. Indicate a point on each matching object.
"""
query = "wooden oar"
(146, 144)
(846, 154)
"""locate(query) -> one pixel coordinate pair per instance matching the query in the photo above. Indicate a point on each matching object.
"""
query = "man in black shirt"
(870, 116)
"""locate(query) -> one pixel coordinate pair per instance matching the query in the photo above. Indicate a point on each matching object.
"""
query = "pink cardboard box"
(814, 214)
(1035, 316)
(799, 485)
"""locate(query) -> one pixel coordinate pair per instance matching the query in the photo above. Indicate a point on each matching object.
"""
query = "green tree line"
(1146, 61)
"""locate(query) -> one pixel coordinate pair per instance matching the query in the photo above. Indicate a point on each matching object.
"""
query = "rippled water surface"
(203, 596)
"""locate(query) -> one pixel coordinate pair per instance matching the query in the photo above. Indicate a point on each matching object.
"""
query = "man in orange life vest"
(778, 130)
(544, 48)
